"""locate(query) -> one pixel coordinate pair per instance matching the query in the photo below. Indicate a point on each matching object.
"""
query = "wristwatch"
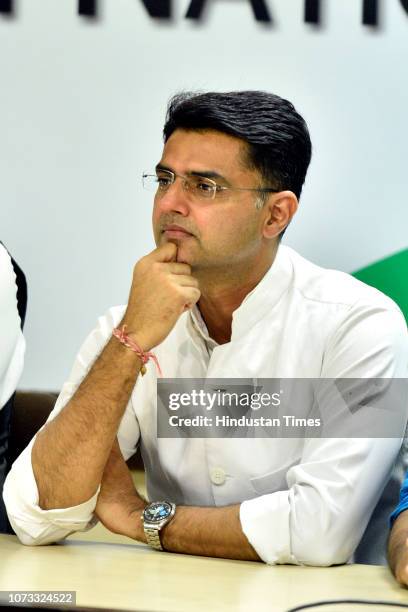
(155, 516)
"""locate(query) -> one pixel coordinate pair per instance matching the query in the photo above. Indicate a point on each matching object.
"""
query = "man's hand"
(121, 515)
(162, 289)
(398, 549)
(119, 506)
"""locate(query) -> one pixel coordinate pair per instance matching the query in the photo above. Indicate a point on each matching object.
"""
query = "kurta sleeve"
(332, 492)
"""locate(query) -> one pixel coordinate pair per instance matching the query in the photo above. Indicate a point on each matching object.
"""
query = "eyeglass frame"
(217, 187)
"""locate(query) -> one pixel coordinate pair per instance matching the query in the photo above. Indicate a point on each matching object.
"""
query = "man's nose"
(175, 199)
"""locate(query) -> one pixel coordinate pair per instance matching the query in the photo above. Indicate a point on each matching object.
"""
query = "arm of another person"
(398, 540)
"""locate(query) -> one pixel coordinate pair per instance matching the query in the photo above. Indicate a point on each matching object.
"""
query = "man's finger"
(192, 295)
(185, 280)
(165, 252)
(179, 268)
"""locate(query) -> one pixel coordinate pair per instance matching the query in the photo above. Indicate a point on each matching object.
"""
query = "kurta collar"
(258, 302)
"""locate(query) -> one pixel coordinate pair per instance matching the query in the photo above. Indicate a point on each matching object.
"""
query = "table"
(131, 576)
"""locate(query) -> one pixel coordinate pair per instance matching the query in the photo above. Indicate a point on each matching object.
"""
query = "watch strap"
(153, 537)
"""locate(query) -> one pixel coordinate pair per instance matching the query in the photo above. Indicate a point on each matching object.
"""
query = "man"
(13, 298)
(219, 297)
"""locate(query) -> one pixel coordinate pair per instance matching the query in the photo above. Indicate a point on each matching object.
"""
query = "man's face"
(224, 231)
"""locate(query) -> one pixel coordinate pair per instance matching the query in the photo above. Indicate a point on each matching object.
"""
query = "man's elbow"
(325, 558)
(33, 534)
(29, 540)
(319, 551)
(324, 551)
(41, 533)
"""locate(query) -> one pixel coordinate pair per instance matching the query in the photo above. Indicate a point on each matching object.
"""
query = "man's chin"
(185, 249)
(183, 256)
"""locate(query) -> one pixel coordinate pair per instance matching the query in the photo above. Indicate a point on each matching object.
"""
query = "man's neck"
(220, 297)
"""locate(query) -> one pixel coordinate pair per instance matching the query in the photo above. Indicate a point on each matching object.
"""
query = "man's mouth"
(175, 231)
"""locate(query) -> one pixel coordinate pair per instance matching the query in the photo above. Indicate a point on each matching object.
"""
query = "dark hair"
(278, 140)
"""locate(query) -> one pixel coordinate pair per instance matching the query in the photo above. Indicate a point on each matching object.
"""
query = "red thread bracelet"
(129, 343)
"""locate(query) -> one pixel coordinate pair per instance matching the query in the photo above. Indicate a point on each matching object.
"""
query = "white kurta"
(302, 501)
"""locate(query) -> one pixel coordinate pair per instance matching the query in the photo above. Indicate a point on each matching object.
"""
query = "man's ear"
(279, 209)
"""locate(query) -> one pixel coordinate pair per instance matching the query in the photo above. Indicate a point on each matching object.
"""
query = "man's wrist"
(155, 520)
(137, 334)
(135, 519)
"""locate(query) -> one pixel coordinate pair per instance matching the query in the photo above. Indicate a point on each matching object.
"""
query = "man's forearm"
(212, 532)
(194, 530)
(398, 548)
(70, 453)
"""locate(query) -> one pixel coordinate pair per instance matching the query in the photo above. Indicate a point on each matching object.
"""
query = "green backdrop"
(389, 275)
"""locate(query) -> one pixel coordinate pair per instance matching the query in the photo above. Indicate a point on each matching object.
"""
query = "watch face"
(156, 512)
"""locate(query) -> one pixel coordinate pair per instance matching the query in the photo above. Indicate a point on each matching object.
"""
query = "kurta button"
(217, 476)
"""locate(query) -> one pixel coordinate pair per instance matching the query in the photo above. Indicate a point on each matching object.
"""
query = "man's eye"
(163, 181)
(204, 186)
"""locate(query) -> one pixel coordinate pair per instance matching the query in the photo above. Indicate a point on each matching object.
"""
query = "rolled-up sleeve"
(322, 516)
(332, 492)
(32, 524)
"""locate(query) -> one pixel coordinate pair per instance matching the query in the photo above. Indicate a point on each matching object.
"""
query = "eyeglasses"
(200, 187)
